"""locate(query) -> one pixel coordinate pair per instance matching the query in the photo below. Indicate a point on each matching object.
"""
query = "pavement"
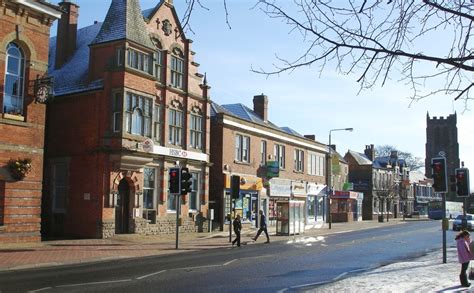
(424, 274)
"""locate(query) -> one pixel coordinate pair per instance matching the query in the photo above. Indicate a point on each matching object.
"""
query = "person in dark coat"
(237, 228)
(263, 227)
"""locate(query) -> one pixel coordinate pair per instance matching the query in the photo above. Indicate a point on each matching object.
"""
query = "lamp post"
(329, 179)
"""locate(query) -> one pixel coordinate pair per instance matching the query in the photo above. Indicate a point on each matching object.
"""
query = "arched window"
(177, 68)
(158, 60)
(175, 122)
(138, 114)
(137, 121)
(14, 80)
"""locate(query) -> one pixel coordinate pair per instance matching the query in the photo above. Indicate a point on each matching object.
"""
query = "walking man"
(263, 227)
(237, 228)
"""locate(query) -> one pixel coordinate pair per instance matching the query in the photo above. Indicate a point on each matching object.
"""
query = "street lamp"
(329, 180)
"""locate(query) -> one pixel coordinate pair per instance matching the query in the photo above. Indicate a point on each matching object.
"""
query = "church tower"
(442, 138)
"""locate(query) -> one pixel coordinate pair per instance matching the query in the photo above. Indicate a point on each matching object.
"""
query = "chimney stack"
(67, 32)
(260, 106)
(370, 152)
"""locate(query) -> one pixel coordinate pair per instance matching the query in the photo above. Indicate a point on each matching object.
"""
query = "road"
(276, 267)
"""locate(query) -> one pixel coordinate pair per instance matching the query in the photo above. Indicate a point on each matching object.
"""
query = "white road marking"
(149, 275)
(198, 267)
(229, 262)
(343, 231)
(340, 276)
(42, 289)
(94, 283)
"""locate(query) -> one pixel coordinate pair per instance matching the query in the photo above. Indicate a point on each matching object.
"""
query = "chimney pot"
(260, 106)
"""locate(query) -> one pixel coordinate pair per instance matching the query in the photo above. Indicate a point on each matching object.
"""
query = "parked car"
(458, 222)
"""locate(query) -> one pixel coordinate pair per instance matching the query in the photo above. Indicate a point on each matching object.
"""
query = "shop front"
(315, 203)
(346, 206)
(248, 203)
(279, 191)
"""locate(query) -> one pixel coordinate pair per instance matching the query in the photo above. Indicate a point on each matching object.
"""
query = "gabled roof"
(72, 77)
(361, 159)
(124, 20)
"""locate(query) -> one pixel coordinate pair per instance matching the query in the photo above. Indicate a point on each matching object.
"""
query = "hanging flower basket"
(19, 168)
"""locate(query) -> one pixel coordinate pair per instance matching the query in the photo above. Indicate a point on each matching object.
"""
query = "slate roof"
(291, 131)
(361, 159)
(243, 112)
(383, 162)
(124, 20)
(72, 77)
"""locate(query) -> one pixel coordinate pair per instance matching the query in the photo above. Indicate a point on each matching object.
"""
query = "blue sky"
(306, 100)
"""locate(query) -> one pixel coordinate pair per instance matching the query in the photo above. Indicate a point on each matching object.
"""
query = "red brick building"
(244, 144)
(24, 36)
(129, 103)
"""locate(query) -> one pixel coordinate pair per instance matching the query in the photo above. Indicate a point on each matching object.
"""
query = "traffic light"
(186, 181)
(235, 186)
(462, 181)
(438, 169)
(174, 182)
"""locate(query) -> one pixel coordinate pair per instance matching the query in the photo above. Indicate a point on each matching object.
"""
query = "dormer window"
(13, 88)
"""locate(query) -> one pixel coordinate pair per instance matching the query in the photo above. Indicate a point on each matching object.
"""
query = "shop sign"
(280, 187)
(348, 186)
(273, 169)
(246, 182)
(361, 185)
(184, 154)
(148, 145)
(298, 187)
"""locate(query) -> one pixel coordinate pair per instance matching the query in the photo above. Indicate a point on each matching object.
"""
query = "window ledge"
(14, 117)
(241, 163)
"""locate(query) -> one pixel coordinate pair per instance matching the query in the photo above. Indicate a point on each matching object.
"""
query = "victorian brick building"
(129, 105)
(277, 166)
(384, 181)
(24, 36)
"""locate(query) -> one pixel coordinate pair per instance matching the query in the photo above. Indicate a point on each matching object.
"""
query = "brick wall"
(20, 201)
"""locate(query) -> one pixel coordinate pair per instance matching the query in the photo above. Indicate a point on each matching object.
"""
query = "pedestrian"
(237, 228)
(263, 227)
(464, 255)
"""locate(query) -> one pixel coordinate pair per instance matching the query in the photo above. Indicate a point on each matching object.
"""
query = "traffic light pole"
(230, 217)
(443, 195)
(177, 219)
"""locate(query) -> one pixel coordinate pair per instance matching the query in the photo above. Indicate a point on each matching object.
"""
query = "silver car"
(458, 222)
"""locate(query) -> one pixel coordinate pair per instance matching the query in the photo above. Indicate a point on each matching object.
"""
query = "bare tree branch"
(377, 38)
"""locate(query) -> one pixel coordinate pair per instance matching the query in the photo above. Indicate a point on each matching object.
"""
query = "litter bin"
(380, 218)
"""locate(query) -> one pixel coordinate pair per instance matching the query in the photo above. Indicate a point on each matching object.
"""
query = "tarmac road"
(279, 266)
